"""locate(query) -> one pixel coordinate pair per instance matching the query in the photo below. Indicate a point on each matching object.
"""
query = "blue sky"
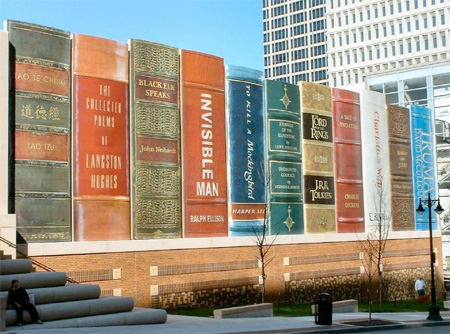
(231, 29)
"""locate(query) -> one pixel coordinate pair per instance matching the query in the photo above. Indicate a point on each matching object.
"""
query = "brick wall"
(226, 276)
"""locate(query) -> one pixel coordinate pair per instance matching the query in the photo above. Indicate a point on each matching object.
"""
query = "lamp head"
(420, 210)
(439, 208)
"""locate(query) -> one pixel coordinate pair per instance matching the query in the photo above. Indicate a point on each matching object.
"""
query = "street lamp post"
(433, 310)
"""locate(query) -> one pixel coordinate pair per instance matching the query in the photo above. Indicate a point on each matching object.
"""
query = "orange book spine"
(204, 193)
(348, 161)
(100, 139)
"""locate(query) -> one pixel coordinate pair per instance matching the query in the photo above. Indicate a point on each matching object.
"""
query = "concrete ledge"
(447, 304)
(341, 306)
(247, 311)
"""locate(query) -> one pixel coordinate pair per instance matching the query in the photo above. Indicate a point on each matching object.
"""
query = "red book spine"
(101, 139)
(348, 161)
(204, 193)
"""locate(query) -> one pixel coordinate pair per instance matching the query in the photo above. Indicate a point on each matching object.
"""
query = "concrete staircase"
(65, 305)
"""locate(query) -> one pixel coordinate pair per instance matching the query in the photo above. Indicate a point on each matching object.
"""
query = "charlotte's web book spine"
(40, 100)
(155, 140)
(348, 161)
(204, 167)
(100, 139)
(284, 153)
(246, 150)
(376, 171)
(318, 158)
(402, 199)
(424, 161)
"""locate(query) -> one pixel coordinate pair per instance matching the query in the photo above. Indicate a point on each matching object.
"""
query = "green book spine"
(318, 158)
(155, 140)
(284, 158)
(40, 103)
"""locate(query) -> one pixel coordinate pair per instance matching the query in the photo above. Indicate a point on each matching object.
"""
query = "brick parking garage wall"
(229, 276)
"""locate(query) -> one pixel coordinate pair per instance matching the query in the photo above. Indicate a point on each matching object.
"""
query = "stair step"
(34, 280)
(138, 316)
(8, 267)
(64, 293)
(76, 309)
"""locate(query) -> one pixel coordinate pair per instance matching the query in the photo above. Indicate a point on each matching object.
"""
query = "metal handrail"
(35, 262)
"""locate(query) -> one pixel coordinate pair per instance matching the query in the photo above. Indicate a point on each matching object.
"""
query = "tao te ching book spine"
(155, 140)
(5, 136)
(100, 139)
(424, 162)
(40, 99)
(318, 158)
(203, 145)
(284, 154)
(376, 169)
(246, 150)
(348, 161)
(402, 198)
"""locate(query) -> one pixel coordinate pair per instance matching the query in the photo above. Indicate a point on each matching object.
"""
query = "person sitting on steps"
(18, 300)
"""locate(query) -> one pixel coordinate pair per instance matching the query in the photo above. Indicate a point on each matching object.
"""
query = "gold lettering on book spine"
(157, 205)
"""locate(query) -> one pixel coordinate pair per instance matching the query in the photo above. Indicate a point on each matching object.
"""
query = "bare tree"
(263, 240)
(373, 245)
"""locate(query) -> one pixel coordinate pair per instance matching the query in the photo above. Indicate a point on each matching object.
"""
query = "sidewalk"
(197, 325)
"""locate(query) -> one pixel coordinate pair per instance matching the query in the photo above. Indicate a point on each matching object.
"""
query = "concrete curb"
(359, 329)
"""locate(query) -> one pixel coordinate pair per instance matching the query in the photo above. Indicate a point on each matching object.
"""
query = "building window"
(417, 24)
(417, 45)
(425, 23)
(409, 47)
(408, 25)
(444, 41)
(400, 28)
(435, 42)
(442, 19)
(408, 6)
(426, 44)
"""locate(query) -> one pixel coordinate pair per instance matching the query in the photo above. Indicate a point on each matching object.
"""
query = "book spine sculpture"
(284, 154)
(318, 158)
(101, 180)
(348, 161)
(40, 107)
(246, 151)
(203, 145)
(402, 199)
(155, 140)
(424, 162)
(376, 171)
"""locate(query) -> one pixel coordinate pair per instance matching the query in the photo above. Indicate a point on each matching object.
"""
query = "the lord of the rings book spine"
(402, 199)
(424, 162)
(203, 143)
(318, 158)
(246, 150)
(101, 184)
(375, 157)
(348, 161)
(155, 140)
(40, 109)
(284, 154)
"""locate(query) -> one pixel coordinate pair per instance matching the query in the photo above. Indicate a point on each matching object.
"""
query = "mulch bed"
(374, 322)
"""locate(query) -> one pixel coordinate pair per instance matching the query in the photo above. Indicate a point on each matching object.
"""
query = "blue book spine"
(246, 163)
(424, 162)
(285, 197)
